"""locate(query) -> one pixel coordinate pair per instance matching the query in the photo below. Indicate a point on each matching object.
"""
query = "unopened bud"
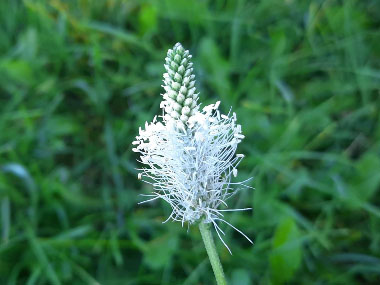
(188, 101)
(180, 98)
(177, 58)
(177, 77)
(186, 110)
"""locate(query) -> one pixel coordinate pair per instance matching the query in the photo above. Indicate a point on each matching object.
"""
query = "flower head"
(190, 154)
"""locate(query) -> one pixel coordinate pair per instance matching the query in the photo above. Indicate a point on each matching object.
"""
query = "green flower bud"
(180, 97)
(176, 86)
(188, 101)
(183, 90)
(177, 77)
(191, 92)
(179, 82)
(188, 72)
(174, 65)
(181, 69)
(177, 58)
(176, 106)
(171, 73)
(178, 48)
(172, 94)
(184, 61)
(186, 80)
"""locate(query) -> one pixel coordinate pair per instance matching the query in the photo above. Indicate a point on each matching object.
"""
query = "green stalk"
(212, 254)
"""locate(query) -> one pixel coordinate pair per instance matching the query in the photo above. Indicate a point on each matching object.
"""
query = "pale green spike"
(179, 82)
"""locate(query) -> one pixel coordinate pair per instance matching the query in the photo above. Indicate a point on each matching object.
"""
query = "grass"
(77, 79)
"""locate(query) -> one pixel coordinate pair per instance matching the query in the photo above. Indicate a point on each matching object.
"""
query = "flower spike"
(190, 154)
(180, 98)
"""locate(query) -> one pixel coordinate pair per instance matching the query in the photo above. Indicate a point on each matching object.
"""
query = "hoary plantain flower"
(189, 152)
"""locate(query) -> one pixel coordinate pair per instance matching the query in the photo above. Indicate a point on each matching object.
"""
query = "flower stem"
(212, 254)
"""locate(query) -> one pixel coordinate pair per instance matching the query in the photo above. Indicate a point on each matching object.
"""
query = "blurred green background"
(77, 79)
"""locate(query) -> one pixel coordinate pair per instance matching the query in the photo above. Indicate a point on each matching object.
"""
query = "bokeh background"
(77, 79)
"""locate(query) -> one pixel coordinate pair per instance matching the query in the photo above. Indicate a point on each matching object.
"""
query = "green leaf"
(42, 258)
(18, 70)
(160, 251)
(147, 19)
(287, 253)
(367, 182)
